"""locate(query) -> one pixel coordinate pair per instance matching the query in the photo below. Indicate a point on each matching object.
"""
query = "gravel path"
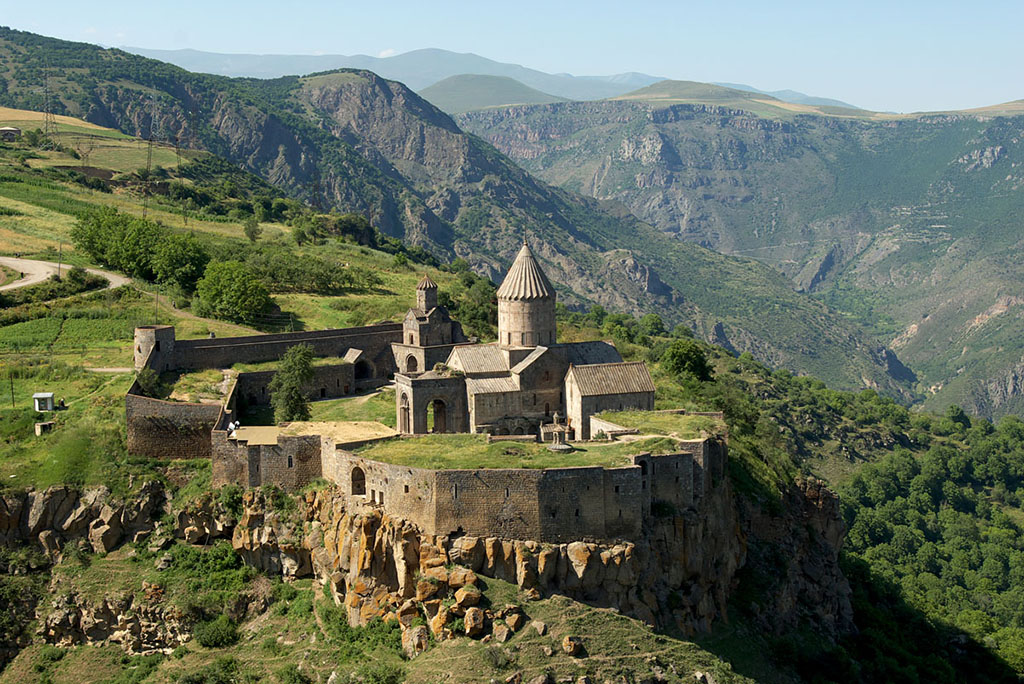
(38, 271)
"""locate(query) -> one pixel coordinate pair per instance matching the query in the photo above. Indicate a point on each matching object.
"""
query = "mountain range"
(354, 141)
(909, 225)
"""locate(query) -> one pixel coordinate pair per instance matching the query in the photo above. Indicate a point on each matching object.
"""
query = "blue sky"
(894, 56)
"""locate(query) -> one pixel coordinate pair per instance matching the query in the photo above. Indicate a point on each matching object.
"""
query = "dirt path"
(35, 272)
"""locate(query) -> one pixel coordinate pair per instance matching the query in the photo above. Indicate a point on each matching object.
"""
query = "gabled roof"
(478, 358)
(612, 378)
(352, 354)
(525, 280)
(585, 353)
(491, 385)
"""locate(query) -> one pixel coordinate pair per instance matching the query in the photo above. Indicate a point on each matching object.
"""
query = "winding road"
(38, 271)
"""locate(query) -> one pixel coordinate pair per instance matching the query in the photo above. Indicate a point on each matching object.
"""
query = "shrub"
(231, 292)
(291, 674)
(217, 633)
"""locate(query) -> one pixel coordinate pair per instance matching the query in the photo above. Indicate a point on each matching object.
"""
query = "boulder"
(572, 645)
(515, 621)
(461, 577)
(541, 627)
(514, 678)
(439, 623)
(415, 640)
(103, 537)
(502, 633)
(542, 679)
(468, 596)
(425, 589)
(474, 622)
(407, 612)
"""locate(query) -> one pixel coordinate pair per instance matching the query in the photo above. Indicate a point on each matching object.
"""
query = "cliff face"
(682, 572)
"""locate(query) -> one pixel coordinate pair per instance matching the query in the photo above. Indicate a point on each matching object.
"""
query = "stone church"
(526, 383)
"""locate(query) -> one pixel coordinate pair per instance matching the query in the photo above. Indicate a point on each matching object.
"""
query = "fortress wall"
(225, 352)
(407, 493)
(328, 382)
(623, 511)
(230, 461)
(670, 478)
(168, 429)
(291, 463)
(499, 503)
(571, 505)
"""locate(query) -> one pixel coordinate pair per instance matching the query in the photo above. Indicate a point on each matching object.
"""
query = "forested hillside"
(905, 224)
(352, 141)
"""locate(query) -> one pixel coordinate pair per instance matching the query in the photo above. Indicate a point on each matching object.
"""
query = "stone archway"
(411, 365)
(404, 423)
(358, 482)
(437, 416)
(363, 370)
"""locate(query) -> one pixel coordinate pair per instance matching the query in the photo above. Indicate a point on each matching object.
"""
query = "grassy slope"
(464, 93)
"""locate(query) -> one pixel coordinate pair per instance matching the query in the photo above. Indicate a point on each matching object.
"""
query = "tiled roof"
(612, 378)
(479, 358)
(584, 353)
(491, 385)
(525, 280)
(426, 284)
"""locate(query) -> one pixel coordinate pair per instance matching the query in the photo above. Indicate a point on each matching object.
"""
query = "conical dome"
(426, 284)
(525, 281)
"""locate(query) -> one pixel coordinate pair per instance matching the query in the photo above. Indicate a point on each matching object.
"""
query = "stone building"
(518, 384)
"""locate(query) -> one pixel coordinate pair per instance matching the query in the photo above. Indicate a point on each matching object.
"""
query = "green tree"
(286, 387)
(180, 259)
(687, 357)
(252, 229)
(651, 324)
(229, 291)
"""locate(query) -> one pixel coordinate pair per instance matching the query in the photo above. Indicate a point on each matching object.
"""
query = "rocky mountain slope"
(908, 225)
(355, 141)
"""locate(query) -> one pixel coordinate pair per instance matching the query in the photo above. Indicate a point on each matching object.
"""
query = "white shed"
(43, 401)
(9, 133)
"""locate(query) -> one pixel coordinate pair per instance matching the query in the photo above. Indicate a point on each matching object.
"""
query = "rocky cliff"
(683, 573)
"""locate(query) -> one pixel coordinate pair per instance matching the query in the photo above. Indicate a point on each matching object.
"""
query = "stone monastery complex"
(524, 386)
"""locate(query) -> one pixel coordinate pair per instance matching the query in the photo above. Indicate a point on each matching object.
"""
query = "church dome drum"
(526, 304)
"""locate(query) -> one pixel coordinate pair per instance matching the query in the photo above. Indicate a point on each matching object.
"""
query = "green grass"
(378, 406)
(472, 451)
(677, 425)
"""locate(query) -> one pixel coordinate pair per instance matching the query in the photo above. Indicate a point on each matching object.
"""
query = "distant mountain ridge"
(794, 96)
(416, 69)
(469, 92)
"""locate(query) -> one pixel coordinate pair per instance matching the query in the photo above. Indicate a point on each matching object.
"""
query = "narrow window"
(406, 489)
(381, 499)
(577, 512)
(553, 513)
(291, 464)
(506, 492)
(522, 338)
(157, 345)
(616, 489)
(455, 491)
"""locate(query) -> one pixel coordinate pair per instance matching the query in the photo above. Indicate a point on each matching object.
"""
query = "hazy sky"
(884, 55)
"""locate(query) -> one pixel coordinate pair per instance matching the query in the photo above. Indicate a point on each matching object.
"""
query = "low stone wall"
(329, 382)
(168, 429)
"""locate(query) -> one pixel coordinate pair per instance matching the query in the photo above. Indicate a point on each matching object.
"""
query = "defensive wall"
(166, 429)
(550, 505)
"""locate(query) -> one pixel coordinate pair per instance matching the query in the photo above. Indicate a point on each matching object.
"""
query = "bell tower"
(526, 304)
(426, 294)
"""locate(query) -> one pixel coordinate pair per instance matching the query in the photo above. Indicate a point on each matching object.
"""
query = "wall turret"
(156, 343)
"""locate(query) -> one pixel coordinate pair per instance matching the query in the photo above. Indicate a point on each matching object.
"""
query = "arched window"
(358, 482)
(411, 366)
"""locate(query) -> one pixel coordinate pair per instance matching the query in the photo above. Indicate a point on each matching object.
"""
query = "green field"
(439, 452)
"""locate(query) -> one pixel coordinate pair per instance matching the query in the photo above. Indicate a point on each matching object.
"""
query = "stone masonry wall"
(165, 429)
(328, 382)
(227, 351)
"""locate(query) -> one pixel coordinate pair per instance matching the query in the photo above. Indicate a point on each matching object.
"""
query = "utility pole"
(60, 258)
(10, 374)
